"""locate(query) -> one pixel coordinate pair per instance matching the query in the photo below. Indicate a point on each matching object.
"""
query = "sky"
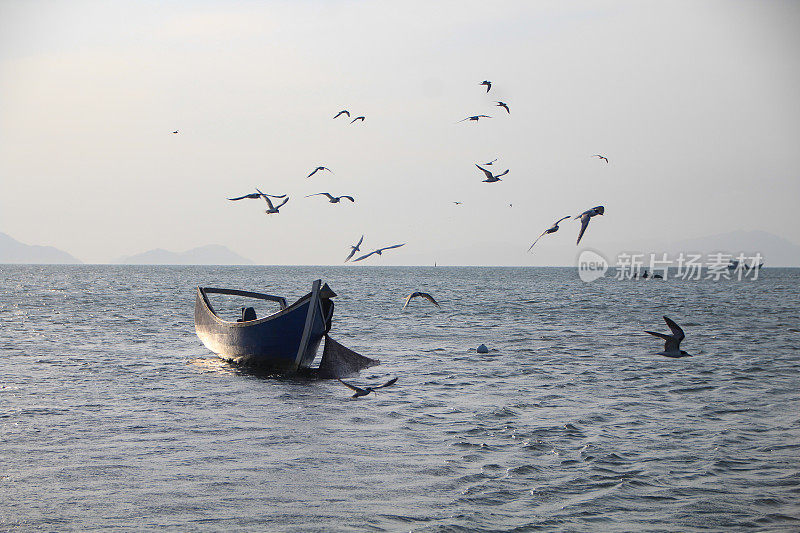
(694, 103)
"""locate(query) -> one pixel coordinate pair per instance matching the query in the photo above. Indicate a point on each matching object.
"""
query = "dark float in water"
(285, 341)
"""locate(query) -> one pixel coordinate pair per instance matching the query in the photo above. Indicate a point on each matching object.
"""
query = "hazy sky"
(694, 103)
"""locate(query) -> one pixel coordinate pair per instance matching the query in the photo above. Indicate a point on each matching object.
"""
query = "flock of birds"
(273, 208)
(672, 342)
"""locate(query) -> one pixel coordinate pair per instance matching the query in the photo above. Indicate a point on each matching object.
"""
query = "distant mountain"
(213, 254)
(13, 251)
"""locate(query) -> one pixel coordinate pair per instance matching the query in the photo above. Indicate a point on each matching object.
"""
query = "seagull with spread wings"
(476, 118)
(318, 169)
(672, 344)
(258, 194)
(366, 390)
(551, 229)
(487, 83)
(504, 106)
(422, 295)
(491, 178)
(586, 216)
(604, 158)
(361, 118)
(379, 251)
(342, 112)
(331, 198)
(354, 249)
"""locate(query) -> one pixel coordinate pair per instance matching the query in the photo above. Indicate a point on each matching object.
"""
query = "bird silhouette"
(318, 169)
(366, 390)
(258, 194)
(672, 344)
(601, 157)
(490, 162)
(174, 132)
(361, 118)
(422, 295)
(487, 83)
(491, 178)
(331, 198)
(504, 106)
(476, 118)
(586, 216)
(354, 249)
(551, 229)
(343, 112)
(379, 251)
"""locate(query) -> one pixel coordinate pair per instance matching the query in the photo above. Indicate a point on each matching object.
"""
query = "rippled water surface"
(114, 415)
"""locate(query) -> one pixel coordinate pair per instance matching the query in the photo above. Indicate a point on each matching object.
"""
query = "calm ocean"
(115, 416)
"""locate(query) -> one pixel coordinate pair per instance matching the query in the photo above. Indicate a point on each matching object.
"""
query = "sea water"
(115, 416)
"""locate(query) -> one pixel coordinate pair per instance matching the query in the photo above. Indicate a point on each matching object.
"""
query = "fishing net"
(339, 361)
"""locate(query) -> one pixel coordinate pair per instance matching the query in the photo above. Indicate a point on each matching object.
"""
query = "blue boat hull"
(285, 341)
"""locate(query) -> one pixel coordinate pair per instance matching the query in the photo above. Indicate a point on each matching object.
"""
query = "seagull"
(354, 249)
(379, 251)
(319, 168)
(490, 162)
(258, 194)
(672, 346)
(601, 157)
(491, 178)
(551, 229)
(586, 216)
(487, 83)
(476, 118)
(423, 295)
(361, 118)
(272, 209)
(331, 198)
(367, 390)
(458, 203)
(504, 106)
(175, 132)
(343, 112)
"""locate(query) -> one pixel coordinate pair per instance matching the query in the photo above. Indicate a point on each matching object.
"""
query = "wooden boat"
(285, 341)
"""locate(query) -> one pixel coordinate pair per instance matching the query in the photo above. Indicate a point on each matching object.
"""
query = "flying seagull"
(354, 249)
(551, 229)
(367, 390)
(379, 251)
(361, 118)
(586, 216)
(476, 118)
(672, 344)
(272, 209)
(421, 294)
(343, 112)
(331, 198)
(490, 162)
(258, 194)
(458, 203)
(601, 157)
(504, 106)
(175, 132)
(487, 83)
(491, 178)
(317, 169)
